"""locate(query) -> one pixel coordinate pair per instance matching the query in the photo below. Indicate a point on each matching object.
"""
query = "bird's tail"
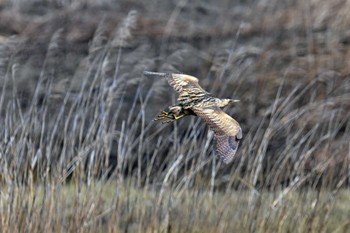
(150, 73)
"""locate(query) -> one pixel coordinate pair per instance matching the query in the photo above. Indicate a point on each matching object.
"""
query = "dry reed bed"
(79, 151)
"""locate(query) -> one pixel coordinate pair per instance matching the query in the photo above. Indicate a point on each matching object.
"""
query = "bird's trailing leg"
(175, 113)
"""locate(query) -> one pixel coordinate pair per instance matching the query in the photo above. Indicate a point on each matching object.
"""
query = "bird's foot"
(168, 117)
(165, 115)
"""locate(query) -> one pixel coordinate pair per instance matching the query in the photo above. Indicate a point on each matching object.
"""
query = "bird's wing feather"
(227, 131)
(184, 83)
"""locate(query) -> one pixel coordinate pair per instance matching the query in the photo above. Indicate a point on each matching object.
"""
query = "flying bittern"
(194, 100)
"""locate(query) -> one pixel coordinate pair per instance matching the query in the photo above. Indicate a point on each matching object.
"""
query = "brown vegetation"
(79, 151)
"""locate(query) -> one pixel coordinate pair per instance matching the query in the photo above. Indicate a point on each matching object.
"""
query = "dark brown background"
(287, 61)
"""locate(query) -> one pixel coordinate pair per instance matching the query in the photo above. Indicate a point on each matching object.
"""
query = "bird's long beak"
(150, 73)
(235, 101)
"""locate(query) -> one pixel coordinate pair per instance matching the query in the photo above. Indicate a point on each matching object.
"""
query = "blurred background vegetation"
(79, 151)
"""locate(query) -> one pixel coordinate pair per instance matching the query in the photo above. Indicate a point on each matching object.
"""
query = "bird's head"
(228, 102)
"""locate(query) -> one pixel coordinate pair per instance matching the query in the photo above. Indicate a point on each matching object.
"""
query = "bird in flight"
(194, 100)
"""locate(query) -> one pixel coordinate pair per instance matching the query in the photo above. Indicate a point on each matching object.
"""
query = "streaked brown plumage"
(194, 100)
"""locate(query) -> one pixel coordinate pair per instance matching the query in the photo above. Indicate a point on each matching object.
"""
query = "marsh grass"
(79, 151)
(109, 207)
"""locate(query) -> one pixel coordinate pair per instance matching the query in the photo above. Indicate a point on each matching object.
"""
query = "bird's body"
(194, 100)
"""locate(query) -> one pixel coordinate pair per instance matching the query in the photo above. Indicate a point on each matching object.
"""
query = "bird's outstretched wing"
(227, 131)
(180, 82)
(184, 83)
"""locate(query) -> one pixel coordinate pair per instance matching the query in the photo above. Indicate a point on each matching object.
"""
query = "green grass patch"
(112, 207)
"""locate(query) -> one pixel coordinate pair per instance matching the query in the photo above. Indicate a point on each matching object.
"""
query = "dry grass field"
(80, 152)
